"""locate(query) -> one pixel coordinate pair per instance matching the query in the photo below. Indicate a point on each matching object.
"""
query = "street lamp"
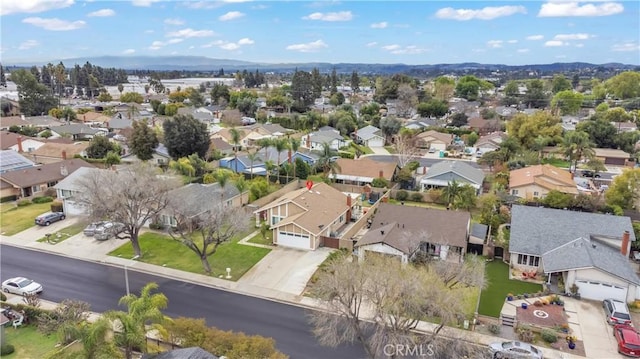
(126, 273)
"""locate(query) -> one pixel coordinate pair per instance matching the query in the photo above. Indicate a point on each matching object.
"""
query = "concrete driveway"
(286, 270)
(37, 232)
(596, 334)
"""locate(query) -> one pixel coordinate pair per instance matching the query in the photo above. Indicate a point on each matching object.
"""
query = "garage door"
(376, 142)
(293, 240)
(600, 291)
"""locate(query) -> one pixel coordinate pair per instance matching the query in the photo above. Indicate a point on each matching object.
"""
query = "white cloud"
(32, 6)
(391, 47)
(230, 46)
(535, 37)
(308, 47)
(379, 25)
(102, 13)
(573, 8)
(565, 37)
(214, 43)
(174, 41)
(198, 5)
(523, 51)
(626, 46)
(188, 33)
(579, 45)
(495, 43)
(245, 41)
(231, 15)
(148, 31)
(512, 41)
(128, 51)
(330, 16)
(143, 3)
(407, 50)
(28, 45)
(176, 22)
(156, 45)
(371, 44)
(555, 43)
(487, 13)
(54, 24)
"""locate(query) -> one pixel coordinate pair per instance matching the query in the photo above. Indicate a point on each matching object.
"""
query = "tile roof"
(609, 152)
(364, 169)
(404, 227)
(36, 175)
(546, 176)
(439, 136)
(53, 149)
(8, 121)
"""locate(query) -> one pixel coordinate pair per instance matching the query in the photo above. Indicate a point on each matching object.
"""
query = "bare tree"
(405, 148)
(132, 196)
(204, 232)
(379, 302)
(407, 99)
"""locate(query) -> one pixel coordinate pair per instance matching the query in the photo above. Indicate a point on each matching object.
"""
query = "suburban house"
(611, 156)
(589, 250)
(434, 140)
(75, 131)
(35, 180)
(536, 181)
(403, 231)
(301, 218)
(483, 127)
(315, 140)
(243, 164)
(160, 156)
(441, 174)
(43, 122)
(490, 142)
(221, 145)
(625, 126)
(195, 198)
(369, 136)
(94, 118)
(7, 122)
(118, 123)
(52, 152)
(70, 187)
(250, 135)
(363, 171)
(19, 143)
(11, 160)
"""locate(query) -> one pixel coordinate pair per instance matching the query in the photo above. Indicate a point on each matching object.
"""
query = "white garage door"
(293, 240)
(376, 142)
(600, 291)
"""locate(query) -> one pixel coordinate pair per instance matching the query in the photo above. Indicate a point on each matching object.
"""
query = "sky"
(385, 32)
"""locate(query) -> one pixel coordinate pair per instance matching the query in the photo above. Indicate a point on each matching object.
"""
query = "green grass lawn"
(16, 219)
(28, 342)
(257, 239)
(65, 233)
(556, 162)
(161, 249)
(499, 285)
(390, 149)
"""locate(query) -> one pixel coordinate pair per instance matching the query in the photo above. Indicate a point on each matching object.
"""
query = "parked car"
(628, 340)
(590, 173)
(46, 219)
(514, 349)
(91, 229)
(108, 230)
(21, 286)
(616, 311)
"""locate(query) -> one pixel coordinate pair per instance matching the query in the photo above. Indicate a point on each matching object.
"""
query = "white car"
(21, 286)
(513, 350)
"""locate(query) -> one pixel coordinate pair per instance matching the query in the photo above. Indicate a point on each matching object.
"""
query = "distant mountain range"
(207, 64)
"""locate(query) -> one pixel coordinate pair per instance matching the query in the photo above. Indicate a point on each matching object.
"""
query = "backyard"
(28, 342)
(160, 249)
(499, 285)
(15, 219)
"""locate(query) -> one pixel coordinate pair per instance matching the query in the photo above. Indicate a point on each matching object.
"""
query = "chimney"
(20, 144)
(63, 171)
(64, 155)
(348, 208)
(624, 248)
(308, 141)
(424, 170)
(381, 174)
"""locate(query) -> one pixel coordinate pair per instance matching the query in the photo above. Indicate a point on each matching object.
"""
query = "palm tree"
(452, 192)
(576, 145)
(269, 166)
(222, 176)
(294, 146)
(95, 340)
(235, 140)
(265, 143)
(538, 145)
(326, 162)
(142, 310)
(280, 144)
(253, 156)
(242, 185)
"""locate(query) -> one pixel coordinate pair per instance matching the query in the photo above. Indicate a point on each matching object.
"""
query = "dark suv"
(590, 173)
(46, 219)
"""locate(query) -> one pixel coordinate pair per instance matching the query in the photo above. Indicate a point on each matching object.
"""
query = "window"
(514, 191)
(342, 218)
(275, 220)
(51, 184)
(536, 194)
(534, 261)
(522, 259)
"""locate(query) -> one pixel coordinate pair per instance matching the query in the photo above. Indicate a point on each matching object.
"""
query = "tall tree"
(577, 145)
(624, 192)
(316, 83)
(568, 101)
(241, 185)
(390, 126)
(333, 88)
(35, 98)
(526, 128)
(132, 197)
(143, 140)
(253, 157)
(624, 85)
(184, 136)
(355, 82)
(560, 83)
(99, 147)
(535, 96)
(3, 78)
(443, 88)
(120, 89)
(235, 141)
(326, 161)
(302, 91)
(601, 132)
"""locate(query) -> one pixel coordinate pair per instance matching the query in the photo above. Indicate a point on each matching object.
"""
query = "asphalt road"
(103, 285)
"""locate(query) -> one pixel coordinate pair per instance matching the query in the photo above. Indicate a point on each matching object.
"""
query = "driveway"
(379, 150)
(286, 270)
(596, 334)
(36, 232)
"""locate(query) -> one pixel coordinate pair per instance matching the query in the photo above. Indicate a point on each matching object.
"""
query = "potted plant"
(524, 305)
(564, 328)
(571, 340)
(510, 296)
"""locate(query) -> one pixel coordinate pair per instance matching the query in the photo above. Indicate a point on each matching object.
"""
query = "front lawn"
(556, 162)
(160, 249)
(65, 233)
(390, 149)
(257, 239)
(16, 219)
(28, 342)
(499, 285)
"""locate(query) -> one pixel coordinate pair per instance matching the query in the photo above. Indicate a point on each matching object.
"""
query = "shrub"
(379, 182)
(8, 199)
(402, 195)
(549, 336)
(348, 155)
(3, 297)
(57, 206)
(525, 334)
(417, 197)
(537, 303)
(494, 329)
(6, 349)
(23, 202)
(44, 199)
(156, 226)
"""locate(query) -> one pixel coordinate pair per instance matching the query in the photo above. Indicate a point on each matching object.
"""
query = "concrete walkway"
(379, 150)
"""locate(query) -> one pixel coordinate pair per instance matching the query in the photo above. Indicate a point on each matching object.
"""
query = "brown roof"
(323, 205)
(53, 149)
(404, 227)
(8, 121)
(365, 167)
(8, 139)
(445, 138)
(93, 117)
(220, 144)
(546, 176)
(43, 174)
(611, 153)
(479, 123)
